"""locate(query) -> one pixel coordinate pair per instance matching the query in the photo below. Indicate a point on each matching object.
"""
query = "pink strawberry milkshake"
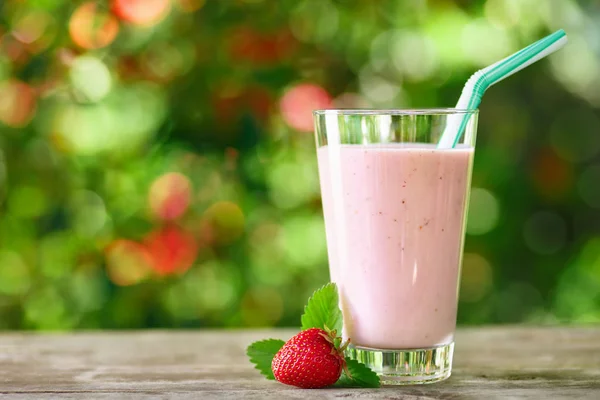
(394, 217)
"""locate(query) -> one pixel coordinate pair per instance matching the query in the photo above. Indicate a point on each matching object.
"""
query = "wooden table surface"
(490, 363)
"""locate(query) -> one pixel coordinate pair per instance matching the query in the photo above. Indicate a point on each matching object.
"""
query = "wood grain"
(490, 363)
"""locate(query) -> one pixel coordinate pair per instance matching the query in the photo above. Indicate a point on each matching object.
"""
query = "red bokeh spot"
(92, 28)
(127, 262)
(552, 175)
(298, 103)
(245, 44)
(170, 196)
(141, 12)
(15, 50)
(229, 106)
(129, 68)
(172, 249)
(17, 103)
(259, 101)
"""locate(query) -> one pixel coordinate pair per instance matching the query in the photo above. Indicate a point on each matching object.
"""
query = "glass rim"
(394, 111)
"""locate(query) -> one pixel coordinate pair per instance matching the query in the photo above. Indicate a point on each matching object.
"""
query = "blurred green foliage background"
(157, 165)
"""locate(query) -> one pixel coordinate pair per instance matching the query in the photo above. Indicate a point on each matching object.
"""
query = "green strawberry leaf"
(261, 355)
(362, 376)
(323, 310)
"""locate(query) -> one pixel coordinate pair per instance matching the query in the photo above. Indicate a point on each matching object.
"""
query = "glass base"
(406, 367)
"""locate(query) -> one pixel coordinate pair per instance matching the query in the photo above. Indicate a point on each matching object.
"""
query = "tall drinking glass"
(395, 208)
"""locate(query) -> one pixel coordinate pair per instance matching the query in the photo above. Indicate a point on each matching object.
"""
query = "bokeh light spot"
(485, 44)
(552, 175)
(27, 201)
(92, 28)
(214, 285)
(381, 57)
(15, 276)
(140, 109)
(206, 292)
(87, 288)
(302, 241)
(141, 12)
(81, 129)
(170, 195)
(249, 45)
(545, 232)
(88, 213)
(266, 255)
(17, 103)
(226, 221)
(414, 55)
(476, 278)
(90, 78)
(266, 232)
(45, 309)
(57, 254)
(124, 120)
(35, 28)
(261, 306)
(298, 103)
(127, 262)
(30, 27)
(350, 100)
(378, 89)
(165, 61)
(589, 260)
(172, 249)
(581, 77)
(579, 285)
(286, 193)
(444, 27)
(484, 212)
(179, 302)
(502, 13)
(40, 155)
(233, 103)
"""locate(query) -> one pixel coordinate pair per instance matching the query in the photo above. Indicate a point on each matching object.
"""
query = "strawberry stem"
(345, 346)
(337, 342)
(338, 348)
(344, 363)
(328, 338)
(346, 370)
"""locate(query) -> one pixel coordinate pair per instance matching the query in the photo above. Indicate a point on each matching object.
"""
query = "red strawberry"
(312, 359)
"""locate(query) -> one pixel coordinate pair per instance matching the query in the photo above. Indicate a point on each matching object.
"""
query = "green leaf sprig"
(322, 311)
